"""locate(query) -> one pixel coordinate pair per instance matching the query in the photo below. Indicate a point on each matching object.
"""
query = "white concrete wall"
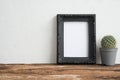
(28, 27)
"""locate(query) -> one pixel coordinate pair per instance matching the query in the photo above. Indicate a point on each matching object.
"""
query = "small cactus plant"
(108, 42)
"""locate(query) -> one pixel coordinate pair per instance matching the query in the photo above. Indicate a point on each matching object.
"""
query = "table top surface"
(58, 72)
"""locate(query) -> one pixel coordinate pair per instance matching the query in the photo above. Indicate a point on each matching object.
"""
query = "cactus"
(108, 42)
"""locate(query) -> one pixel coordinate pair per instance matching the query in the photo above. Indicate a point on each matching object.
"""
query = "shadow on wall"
(53, 50)
(98, 57)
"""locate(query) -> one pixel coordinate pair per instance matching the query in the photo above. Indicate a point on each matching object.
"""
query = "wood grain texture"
(59, 72)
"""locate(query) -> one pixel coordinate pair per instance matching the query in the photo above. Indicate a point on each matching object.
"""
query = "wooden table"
(58, 72)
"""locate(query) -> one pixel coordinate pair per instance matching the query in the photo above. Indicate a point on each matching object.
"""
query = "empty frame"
(76, 39)
(72, 41)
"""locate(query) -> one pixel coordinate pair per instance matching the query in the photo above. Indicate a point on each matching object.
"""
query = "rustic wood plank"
(58, 72)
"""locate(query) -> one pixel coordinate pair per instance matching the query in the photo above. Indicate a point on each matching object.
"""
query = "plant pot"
(108, 56)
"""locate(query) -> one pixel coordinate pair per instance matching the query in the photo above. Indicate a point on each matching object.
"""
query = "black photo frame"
(62, 52)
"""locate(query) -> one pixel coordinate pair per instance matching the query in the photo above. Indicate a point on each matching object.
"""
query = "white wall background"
(28, 27)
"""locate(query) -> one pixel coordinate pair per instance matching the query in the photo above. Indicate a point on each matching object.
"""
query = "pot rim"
(108, 49)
